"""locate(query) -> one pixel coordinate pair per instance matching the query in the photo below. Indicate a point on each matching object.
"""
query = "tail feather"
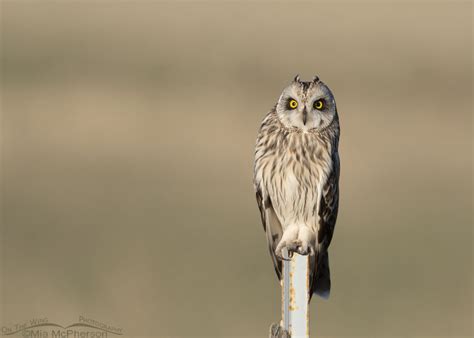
(321, 283)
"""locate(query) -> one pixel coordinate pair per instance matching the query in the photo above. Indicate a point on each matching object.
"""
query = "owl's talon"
(285, 250)
(293, 246)
(306, 249)
(281, 256)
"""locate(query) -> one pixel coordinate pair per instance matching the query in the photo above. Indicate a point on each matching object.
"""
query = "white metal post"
(295, 296)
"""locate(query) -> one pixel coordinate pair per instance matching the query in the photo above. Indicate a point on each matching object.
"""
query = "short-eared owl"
(296, 176)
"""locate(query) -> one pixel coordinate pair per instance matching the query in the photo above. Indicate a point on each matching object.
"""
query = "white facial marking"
(305, 116)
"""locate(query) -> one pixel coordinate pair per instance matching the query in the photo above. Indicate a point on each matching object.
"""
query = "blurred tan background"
(128, 132)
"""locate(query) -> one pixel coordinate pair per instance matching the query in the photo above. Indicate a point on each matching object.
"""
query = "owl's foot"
(290, 247)
(295, 239)
(306, 236)
(306, 249)
(289, 240)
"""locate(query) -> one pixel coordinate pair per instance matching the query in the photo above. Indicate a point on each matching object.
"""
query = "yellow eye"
(318, 104)
(293, 104)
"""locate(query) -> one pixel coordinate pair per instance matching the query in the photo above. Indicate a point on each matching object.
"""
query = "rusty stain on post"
(295, 296)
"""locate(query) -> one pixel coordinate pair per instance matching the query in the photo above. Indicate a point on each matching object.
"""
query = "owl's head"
(306, 105)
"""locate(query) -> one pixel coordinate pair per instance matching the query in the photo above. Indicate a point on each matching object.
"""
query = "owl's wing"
(328, 207)
(271, 225)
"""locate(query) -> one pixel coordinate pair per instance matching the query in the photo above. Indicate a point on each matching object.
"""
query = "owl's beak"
(305, 116)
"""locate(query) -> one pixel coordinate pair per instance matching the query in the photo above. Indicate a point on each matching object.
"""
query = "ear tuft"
(316, 79)
(297, 78)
